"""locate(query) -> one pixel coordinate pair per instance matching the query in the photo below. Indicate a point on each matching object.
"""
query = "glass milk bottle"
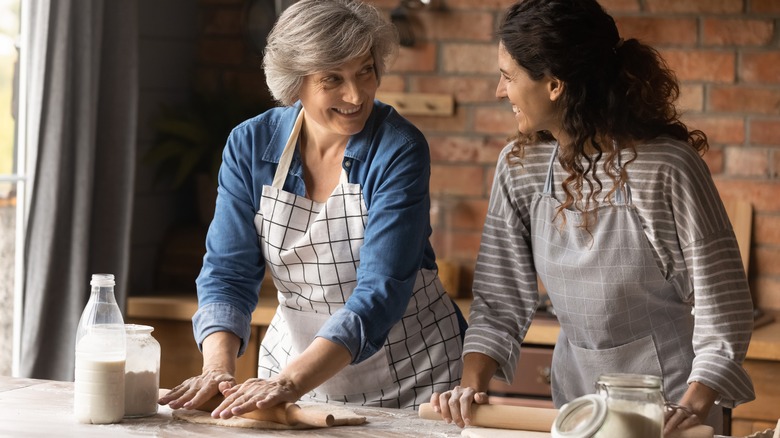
(142, 371)
(99, 390)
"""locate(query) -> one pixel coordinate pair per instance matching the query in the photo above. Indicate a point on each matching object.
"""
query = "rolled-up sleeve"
(723, 318)
(218, 317)
(718, 288)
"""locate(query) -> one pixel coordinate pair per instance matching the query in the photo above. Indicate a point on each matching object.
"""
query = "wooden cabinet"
(171, 317)
(763, 366)
(764, 411)
(531, 384)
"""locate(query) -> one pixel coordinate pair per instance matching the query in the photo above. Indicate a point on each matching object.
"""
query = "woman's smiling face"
(532, 100)
(339, 101)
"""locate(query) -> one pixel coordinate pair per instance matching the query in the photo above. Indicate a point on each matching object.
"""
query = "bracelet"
(670, 407)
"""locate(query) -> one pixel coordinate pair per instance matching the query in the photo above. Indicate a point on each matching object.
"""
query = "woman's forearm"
(478, 369)
(318, 363)
(699, 398)
(220, 350)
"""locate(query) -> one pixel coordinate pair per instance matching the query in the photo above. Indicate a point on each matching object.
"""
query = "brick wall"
(726, 54)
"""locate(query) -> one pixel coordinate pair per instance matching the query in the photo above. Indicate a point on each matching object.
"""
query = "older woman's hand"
(254, 394)
(197, 390)
(455, 405)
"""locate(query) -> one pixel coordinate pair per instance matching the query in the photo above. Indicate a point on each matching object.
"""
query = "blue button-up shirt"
(390, 160)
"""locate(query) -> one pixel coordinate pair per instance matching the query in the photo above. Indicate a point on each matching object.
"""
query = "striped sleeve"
(505, 285)
(723, 308)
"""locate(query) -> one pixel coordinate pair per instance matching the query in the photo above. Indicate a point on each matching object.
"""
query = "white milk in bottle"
(99, 390)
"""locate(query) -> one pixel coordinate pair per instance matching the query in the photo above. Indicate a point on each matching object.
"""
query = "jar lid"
(629, 381)
(138, 329)
(581, 417)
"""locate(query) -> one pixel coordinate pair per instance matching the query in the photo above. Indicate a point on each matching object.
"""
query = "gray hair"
(316, 35)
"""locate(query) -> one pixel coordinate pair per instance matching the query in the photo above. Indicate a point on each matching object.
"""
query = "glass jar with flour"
(142, 371)
(626, 405)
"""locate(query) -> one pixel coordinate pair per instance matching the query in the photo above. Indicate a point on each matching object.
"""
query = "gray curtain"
(81, 133)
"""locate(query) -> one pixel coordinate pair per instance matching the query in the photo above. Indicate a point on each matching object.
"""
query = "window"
(10, 179)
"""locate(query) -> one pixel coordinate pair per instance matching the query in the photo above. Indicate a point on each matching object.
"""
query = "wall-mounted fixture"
(419, 104)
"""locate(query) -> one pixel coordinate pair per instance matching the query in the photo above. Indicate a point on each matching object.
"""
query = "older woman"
(330, 193)
(603, 195)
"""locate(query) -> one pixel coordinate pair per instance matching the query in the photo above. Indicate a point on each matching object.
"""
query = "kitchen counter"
(43, 408)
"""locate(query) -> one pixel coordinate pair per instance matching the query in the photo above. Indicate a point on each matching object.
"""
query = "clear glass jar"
(635, 405)
(626, 405)
(142, 371)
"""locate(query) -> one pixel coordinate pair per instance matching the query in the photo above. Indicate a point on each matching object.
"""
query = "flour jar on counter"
(142, 371)
(626, 405)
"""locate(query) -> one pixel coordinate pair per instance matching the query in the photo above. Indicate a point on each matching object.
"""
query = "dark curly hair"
(615, 92)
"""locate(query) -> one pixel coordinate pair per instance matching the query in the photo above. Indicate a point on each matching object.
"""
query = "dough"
(343, 416)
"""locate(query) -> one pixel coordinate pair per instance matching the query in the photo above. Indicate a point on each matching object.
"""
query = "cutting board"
(487, 432)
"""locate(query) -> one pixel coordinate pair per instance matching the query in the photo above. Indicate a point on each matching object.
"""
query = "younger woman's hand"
(455, 405)
(678, 417)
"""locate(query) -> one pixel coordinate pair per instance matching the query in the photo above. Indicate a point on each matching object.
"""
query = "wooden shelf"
(182, 307)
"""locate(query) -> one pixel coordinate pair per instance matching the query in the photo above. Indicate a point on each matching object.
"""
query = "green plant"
(190, 137)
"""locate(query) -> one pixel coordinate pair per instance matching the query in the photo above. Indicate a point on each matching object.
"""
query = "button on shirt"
(390, 160)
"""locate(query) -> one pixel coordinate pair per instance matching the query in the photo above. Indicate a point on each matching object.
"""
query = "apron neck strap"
(550, 181)
(287, 154)
(622, 194)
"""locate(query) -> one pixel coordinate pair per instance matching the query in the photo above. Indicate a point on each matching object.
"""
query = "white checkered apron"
(617, 311)
(313, 252)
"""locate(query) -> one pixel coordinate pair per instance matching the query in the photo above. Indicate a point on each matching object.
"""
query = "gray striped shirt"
(687, 227)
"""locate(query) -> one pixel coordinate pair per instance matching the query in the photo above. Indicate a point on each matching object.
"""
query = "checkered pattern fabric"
(313, 252)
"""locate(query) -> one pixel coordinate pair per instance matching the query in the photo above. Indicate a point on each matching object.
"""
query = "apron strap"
(622, 194)
(287, 154)
(548, 183)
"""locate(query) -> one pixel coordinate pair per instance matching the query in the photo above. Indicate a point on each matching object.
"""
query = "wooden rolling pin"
(534, 419)
(503, 416)
(286, 413)
(700, 431)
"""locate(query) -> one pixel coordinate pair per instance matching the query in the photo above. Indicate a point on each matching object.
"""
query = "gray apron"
(617, 311)
(312, 250)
